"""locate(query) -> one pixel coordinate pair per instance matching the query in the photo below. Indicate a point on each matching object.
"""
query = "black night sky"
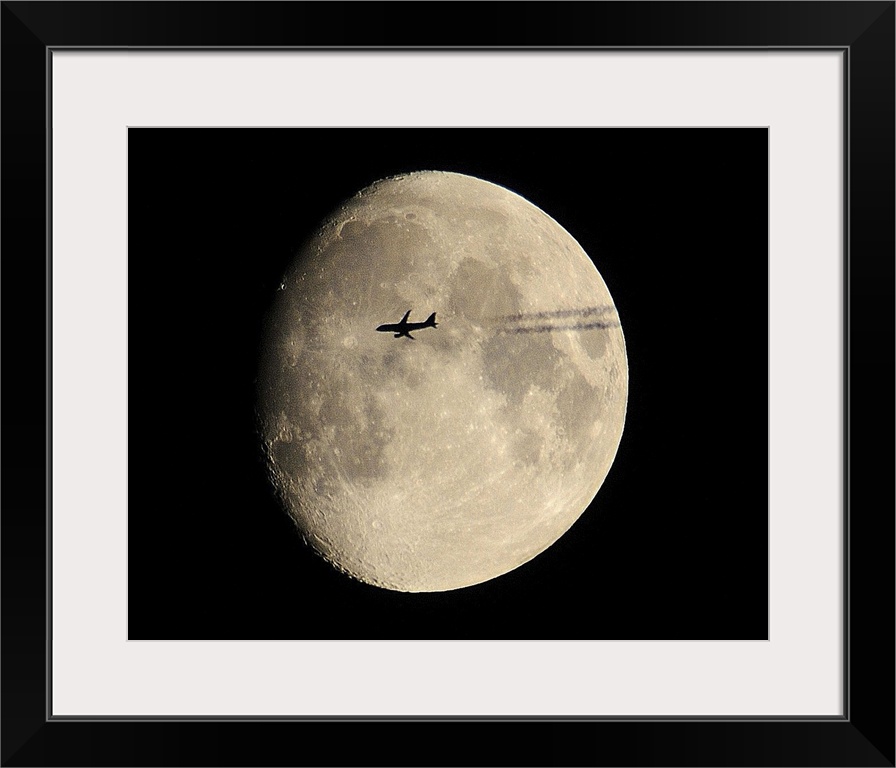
(675, 545)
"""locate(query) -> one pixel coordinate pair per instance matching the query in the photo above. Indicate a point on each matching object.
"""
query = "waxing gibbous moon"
(444, 461)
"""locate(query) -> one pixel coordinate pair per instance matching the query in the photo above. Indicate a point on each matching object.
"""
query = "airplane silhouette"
(403, 328)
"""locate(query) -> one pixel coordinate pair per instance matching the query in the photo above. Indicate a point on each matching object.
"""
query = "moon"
(443, 461)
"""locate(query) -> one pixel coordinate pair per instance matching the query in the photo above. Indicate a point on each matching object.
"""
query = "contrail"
(525, 322)
(521, 317)
(569, 327)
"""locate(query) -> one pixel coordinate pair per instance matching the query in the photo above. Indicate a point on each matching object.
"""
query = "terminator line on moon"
(445, 462)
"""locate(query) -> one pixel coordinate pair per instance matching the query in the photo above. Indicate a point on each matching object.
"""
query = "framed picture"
(725, 598)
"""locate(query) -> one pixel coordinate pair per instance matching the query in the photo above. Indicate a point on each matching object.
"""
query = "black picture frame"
(863, 736)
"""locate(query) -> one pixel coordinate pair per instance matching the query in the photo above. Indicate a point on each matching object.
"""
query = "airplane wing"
(405, 318)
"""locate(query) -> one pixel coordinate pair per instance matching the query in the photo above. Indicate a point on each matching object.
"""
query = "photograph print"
(448, 384)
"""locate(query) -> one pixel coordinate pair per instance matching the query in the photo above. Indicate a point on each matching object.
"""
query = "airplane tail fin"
(431, 320)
